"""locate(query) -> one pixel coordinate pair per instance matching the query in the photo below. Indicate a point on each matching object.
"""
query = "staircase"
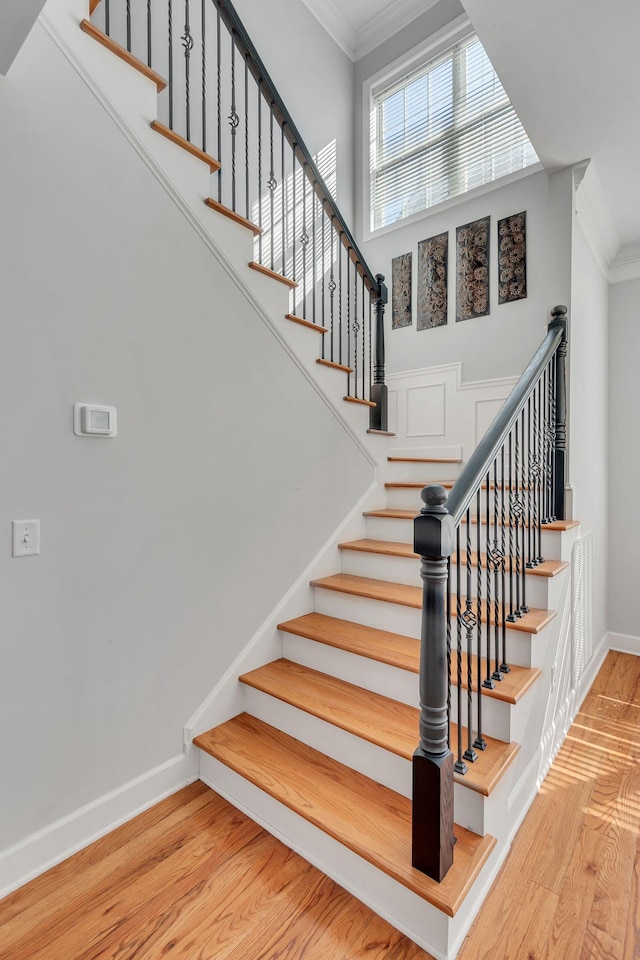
(321, 753)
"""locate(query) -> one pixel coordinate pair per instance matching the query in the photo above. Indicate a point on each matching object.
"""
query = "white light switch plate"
(26, 538)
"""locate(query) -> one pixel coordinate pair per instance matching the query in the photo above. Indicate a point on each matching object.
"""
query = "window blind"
(441, 131)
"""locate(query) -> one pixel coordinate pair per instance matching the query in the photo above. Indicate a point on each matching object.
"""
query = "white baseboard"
(624, 643)
(44, 849)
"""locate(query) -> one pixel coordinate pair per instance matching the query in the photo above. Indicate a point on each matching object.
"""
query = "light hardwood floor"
(194, 879)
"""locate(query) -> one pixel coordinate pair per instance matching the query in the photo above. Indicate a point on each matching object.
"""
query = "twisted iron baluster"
(203, 30)
(187, 43)
(512, 608)
(128, 6)
(497, 564)
(356, 329)
(170, 27)
(340, 249)
(540, 456)
(219, 85)
(469, 620)
(523, 573)
(459, 765)
(530, 561)
(552, 426)
(484, 565)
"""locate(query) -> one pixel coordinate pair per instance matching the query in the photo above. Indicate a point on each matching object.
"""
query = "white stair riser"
(389, 681)
(379, 566)
(354, 752)
(399, 619)
(426, 925)
(423, 473)
(556, 545)
(404, 498)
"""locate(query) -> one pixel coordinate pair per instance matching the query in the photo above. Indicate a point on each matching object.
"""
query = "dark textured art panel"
(472, 269)
(401, 291)
(512, 258)
(433, 255)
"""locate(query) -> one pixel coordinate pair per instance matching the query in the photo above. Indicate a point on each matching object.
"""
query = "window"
(442, 130)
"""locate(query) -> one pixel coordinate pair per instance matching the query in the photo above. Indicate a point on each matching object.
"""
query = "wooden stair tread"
(233, 215)
(191, 148)
(87, 27)
(391, 513)
(260, 268)
(409, 596)
(424, 459)
(399, 651)
(447, 484)
(366, 403)
(391, 548)
(386, 723)
(306, 323)
(334, 366)
(371, 820)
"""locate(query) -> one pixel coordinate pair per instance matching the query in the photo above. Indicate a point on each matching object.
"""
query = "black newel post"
(433, 839)
(559, 319)
(378, 417)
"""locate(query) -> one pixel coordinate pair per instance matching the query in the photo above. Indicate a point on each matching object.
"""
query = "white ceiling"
(570, 68)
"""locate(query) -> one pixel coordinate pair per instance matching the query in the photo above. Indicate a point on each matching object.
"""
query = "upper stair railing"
(476, 548)
(220, 97)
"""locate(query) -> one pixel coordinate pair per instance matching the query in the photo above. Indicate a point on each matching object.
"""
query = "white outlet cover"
(25, 538)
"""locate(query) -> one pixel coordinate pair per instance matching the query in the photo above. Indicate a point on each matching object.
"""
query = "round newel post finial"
(559, 312)
(434, 497)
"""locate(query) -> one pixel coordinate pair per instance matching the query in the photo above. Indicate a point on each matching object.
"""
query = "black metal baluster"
(293, 232)
(203, 30)
(479, 743)
(324, 280)
(540, 461)
(497, 563)
(504, 667)
(234, 122)
(149, 32)
(107, 18)
(488, 682)
(219, 83)
(530, 553)
(332, 291)
(523, 574)
(170, 78)
(348, 319)
(516, 510)
(459, 766)
(272, 183)
(283, 189)
(340, 251)
(364, 293)
(304, 240)
(259, 106)
(552, 422)
(370, 343)
(187, 43)
(512, 609)
(313, 253)
(128, 5)
(356, 329)
(247, 186)
(469, 620)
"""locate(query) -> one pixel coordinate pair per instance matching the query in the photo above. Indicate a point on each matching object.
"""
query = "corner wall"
(164, 549)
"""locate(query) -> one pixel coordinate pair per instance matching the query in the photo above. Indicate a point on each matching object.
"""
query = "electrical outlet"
(26, 538)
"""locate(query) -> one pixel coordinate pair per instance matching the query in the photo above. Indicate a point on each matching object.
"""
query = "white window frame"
(454, 33)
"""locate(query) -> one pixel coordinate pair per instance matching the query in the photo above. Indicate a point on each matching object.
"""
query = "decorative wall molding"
(44, 849)
(626, 265)
(357, 42)
(456, 413)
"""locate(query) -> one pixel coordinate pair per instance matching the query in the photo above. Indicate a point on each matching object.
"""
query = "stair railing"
(476, 547)
(220, 97)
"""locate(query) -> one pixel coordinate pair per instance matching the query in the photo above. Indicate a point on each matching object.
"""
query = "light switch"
(26, 538)
(94, 420)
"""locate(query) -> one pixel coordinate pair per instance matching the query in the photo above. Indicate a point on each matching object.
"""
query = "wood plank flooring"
(194, 879)
(569, 887)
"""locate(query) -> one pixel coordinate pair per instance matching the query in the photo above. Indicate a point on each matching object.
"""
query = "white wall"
(17, 17)
(313, 76)
(588, 420)
(164, 549)
(624, 456)
(501, 344)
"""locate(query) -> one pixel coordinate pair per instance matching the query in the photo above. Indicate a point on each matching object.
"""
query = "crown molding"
(392, 18)
(594, 216)
(626, 265)
(356, 43)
